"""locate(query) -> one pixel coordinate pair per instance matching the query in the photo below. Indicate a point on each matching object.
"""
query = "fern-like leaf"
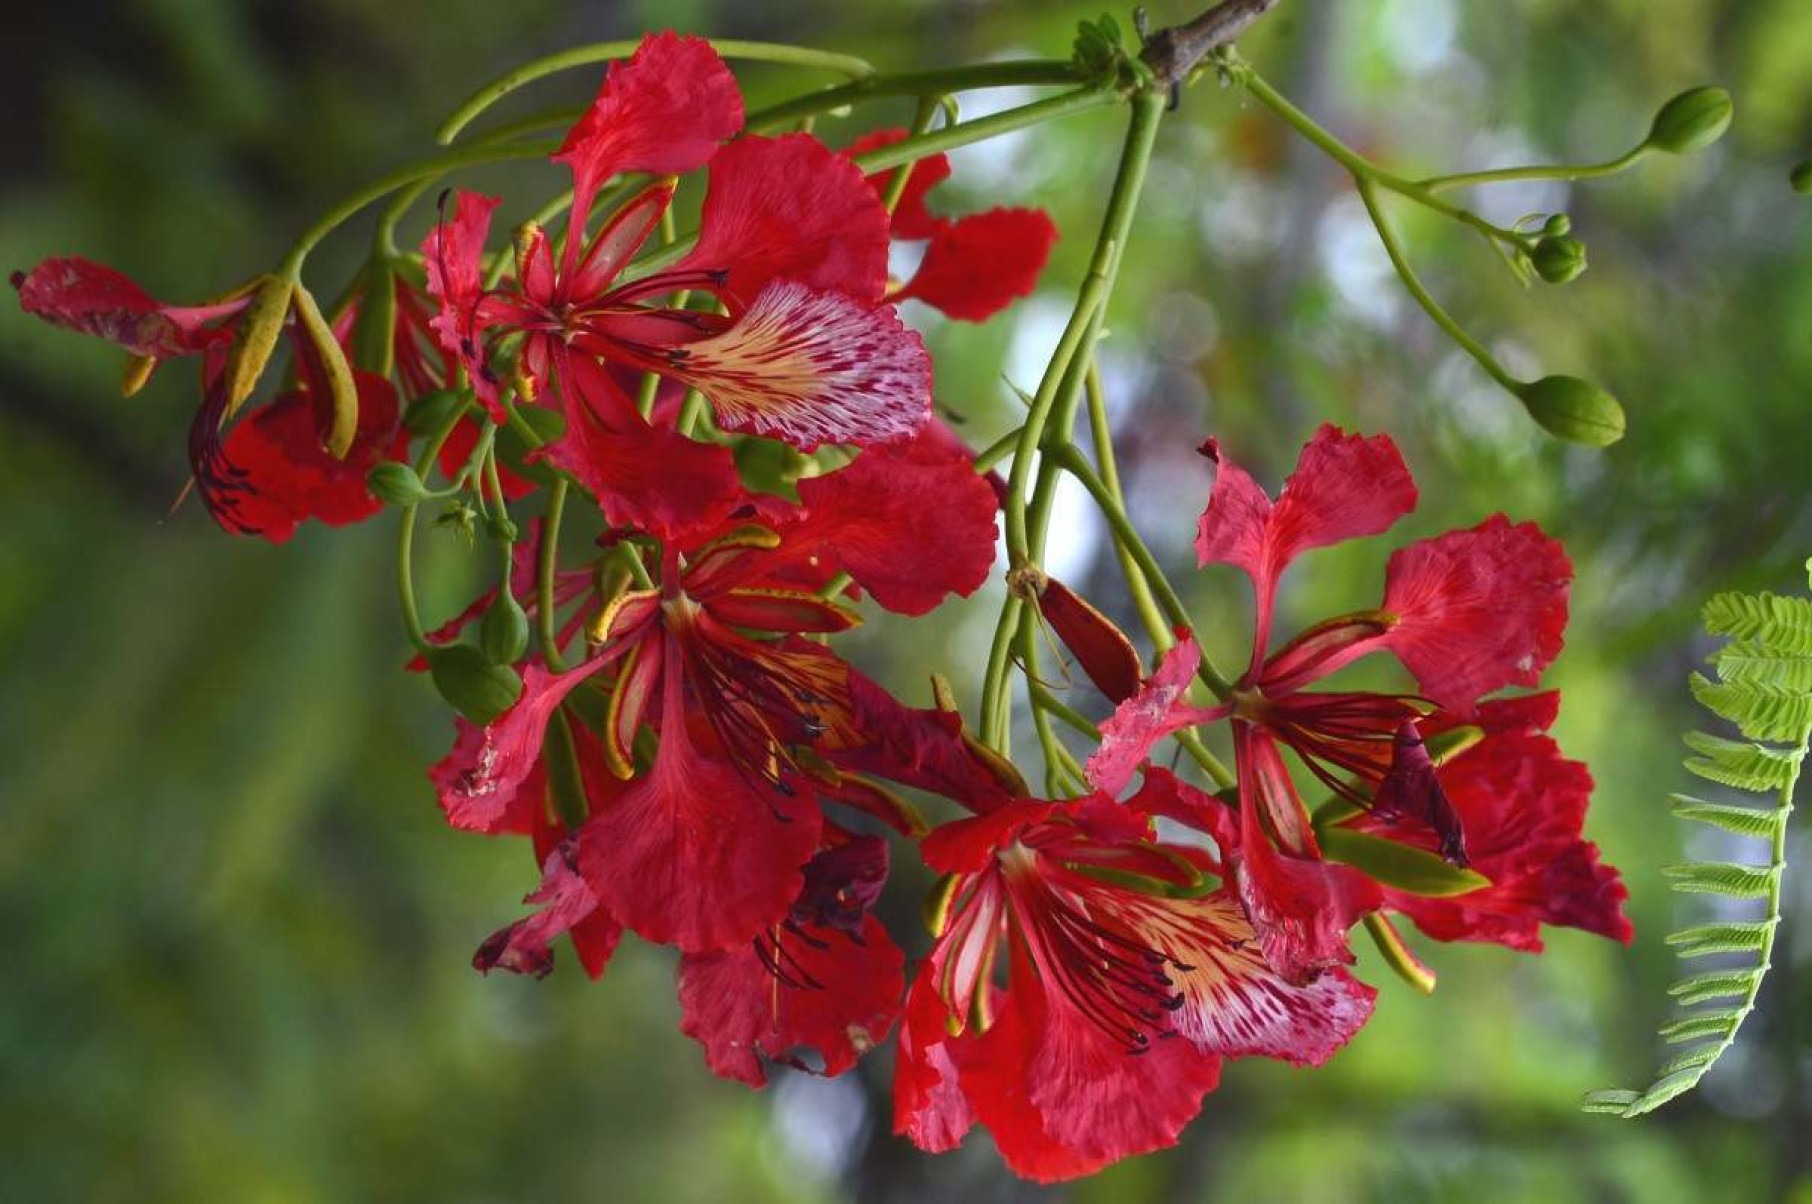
(1783, 625)
(1764, 688)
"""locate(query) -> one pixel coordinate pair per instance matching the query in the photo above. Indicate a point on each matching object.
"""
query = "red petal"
(478, 782)
(977, 266)
(965, 846)
(929, 1107)
(453, 254)
(818, 989)
(523, 946)
(698, 853)
(289, 477)
(811, 367)
(790, 208)
(663, 112)
(88, 297)
(911, 524)
(925, 749)
(1344, 486)
(1159, 708)
(1478, 609)
(911, 220)
(513, 807)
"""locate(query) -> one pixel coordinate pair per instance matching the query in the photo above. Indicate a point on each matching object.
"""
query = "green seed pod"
(503, 633)
(1801, 178)
(256, 338)
(1558, 258)
(1691, 121)
(475, 687)
(1573, 409)
(396, 484)
(342, 389)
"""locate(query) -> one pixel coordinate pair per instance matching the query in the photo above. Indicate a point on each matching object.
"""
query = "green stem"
(402, 177)
(549, 560)
(1556, 171)
(1103, 435)
(1009, 74)
(995, 452)
(405, 539)
(1431, 307)
(598, 52)
(921, 121)
(1364, 169)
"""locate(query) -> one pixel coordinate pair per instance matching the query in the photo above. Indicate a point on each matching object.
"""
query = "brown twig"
(1173, 53)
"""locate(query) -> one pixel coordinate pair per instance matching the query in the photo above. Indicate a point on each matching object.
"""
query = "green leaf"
(1693, 1059)
(1715, 984)
(1783, 626)
(1761, 822)
(1749, 660)
(1691, 1028)
(1398, 865)
(1723, 878)
(1611, 1102)
(1743, 766)
(1761, 710)
(1725, 937)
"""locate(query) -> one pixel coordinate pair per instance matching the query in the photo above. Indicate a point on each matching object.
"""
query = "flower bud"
(1691, 121)
(1557, 225)
(396, 484)
(343, 427)
(1558, 258)
(1573, 409)
(256, 338)
(1801, 177)
(503, 633)
(475, 687)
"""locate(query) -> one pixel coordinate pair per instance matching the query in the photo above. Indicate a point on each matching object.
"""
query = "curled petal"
(1478, 609)
(810, 367)
(929, 1107)
(663, 112)
(566, 901)
(789, 208)
(1160, 707)
(479, 781)
(81, 295)
(978, 265)
(790, 992)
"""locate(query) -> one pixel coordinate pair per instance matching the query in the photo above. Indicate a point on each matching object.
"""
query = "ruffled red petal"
(789, 208)
(283, 475)
(793, 990)
(453, 255)
(929, 1107)
(1478, 609)
(566, 901)
(1160, 707)
(1344, 486)
(811, 367)
(664, 111)
(91, 298)
(978, 265)
(910, 523)
(480, 781)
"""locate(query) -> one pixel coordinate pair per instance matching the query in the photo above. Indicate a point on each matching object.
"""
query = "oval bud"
(396, 484)
(503, 633)
(1558, 258)
(255, 339)
(1801, 178)
(1691, 121)
(1573, 409)
(475, 687)
(1557, 225)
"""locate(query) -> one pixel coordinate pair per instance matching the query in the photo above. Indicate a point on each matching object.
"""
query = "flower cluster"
(662, 711)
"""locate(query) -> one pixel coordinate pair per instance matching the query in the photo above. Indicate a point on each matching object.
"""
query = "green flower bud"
(501, 528)
(1557, 225)
(1558, 258)
(396, 484)
(1691, 121)
(1573, 409)
(475, 687)
(503, 633)
(1801, 177)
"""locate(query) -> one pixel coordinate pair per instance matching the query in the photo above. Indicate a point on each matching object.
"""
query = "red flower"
(792, 247)
(1467, 613)
(974, 266)
(1125, 987)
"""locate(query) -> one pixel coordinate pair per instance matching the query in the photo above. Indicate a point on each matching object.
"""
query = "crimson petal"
(978, 265)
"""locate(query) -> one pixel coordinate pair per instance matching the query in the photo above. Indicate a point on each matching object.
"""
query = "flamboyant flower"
(1126, 983)
(1468, 613)
(973, 266)
(792, 340)
(705, 845)
(303, 456)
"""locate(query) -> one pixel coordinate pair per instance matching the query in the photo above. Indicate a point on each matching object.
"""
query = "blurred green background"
(241, 932)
